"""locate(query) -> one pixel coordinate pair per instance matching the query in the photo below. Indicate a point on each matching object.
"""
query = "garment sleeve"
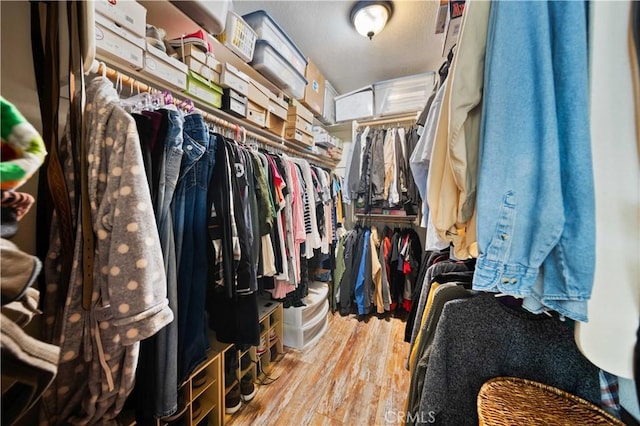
(126, 233)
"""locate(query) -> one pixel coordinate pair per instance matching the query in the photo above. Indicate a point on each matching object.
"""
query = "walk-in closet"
(239, 212)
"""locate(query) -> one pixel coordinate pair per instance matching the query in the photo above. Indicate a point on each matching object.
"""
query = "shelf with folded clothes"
(136, 81)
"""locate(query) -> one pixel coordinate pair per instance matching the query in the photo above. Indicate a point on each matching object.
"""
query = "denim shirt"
(535, 204)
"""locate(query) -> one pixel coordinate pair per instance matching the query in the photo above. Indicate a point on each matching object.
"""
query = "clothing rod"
(384, 218)
(238, 126)
(389, 120)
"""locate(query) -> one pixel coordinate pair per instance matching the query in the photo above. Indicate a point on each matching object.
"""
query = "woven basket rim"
(524, 383)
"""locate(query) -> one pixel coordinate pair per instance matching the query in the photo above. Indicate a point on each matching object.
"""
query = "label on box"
(117, 48)
(256, 114)
(233, 81)
(238, 107)
(159, 65)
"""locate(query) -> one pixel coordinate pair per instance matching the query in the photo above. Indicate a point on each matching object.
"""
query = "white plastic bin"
(402, 95)
(238, 36)
(210, 15)
(302, 338)
(268, 62)
(268, 29)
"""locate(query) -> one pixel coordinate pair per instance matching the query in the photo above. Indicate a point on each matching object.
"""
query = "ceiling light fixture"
(370, 17)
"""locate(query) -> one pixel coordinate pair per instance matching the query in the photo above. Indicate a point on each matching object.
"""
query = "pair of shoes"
(199, 379)
(198, 39)
(273, 335)
(247, 388)
(233, 400)
(262, 347)
(196, 409)
(155, 37)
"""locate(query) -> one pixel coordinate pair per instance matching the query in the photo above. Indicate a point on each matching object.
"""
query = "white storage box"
(402, 95)
(354, 105)
(329, 107)
(239, 37)
(305, 337)
(210, 15)
(118, 47)
(272, 65)
(128, 14)
(160, 66)
(316, 302)
(268, 29)
(235, 79)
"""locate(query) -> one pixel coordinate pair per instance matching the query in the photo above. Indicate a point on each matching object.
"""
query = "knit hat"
(22, 147)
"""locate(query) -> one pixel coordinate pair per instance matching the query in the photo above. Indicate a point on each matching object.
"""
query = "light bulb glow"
(371, 19)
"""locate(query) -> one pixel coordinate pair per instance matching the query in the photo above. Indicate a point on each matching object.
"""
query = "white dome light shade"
(369, 18)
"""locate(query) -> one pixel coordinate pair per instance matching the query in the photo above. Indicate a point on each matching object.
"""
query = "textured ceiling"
(322, 30)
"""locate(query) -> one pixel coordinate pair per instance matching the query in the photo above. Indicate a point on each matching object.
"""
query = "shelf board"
(211, 405)
(202, 389)
(228, 389)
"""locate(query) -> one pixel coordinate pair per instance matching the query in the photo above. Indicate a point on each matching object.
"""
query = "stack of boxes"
(120, 38)
(299, 126)
(236, 84)
(120, 32)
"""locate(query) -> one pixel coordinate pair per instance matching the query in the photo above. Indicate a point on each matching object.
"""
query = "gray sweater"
(480, 338)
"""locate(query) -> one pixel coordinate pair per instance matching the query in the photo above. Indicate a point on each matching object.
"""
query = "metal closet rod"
(114, 75)
(413, 117)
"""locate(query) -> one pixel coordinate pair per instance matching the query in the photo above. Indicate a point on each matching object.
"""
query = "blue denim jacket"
(535, 205)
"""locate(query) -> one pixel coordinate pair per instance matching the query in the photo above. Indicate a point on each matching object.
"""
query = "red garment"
(406, 305)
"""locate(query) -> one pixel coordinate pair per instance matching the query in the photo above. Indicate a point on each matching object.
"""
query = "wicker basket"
(513, 401)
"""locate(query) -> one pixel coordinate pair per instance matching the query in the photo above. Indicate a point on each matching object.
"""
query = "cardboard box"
(296, 135)
(314, 90)
(202, 89)
(116, 47)
(194, 52)
(296, 108)
(276, 124)
(299, 123)
(127, 14)
(234, 103)
(256, 114)
(234, 79)
(259, 95)
(160, 66)
(209, 74)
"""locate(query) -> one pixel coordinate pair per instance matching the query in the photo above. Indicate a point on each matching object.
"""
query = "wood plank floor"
(354, 375)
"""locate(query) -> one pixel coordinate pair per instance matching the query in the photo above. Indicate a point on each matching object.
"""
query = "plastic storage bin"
(269, 30)
(268, 62)
(239, 37)
(210, 15)
(316, 302)
(303, 338)
(403, 95)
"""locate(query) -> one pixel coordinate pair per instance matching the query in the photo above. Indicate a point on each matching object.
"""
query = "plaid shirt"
(609, 391)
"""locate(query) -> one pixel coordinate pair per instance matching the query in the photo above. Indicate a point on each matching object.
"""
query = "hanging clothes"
(99, 346)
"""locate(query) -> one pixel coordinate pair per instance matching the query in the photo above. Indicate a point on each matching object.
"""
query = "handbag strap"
(78, 130)
(53, 193)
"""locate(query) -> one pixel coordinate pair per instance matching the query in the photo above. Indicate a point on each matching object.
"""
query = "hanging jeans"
(190, 225)
(536, 231)
(157, 377)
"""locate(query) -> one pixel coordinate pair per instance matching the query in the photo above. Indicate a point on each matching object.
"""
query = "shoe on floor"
(233, 401)
(198, 39)
(247, 388)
